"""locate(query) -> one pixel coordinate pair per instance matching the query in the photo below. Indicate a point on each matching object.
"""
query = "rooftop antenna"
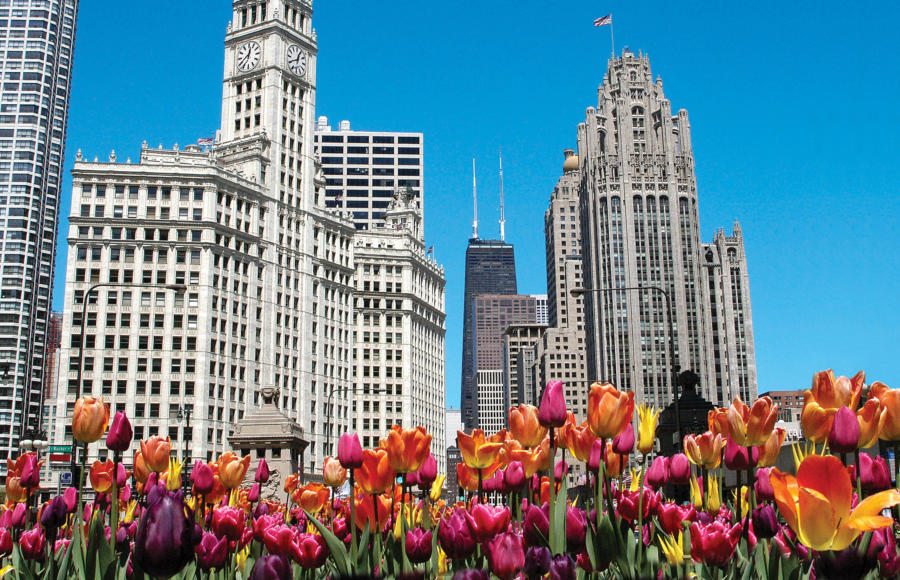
(474, 202)
(502, 216)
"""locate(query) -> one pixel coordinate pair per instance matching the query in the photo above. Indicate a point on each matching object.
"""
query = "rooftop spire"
(475, 202)
(502, 216)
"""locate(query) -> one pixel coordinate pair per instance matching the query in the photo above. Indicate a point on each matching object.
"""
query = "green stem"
(114, 503)
(403, 524)
(859, 492)
(640, 519)
(552, 480)
(704, 486)
(352, 521)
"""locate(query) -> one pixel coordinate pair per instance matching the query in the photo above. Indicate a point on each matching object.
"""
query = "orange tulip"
(101, 475)
(752, 426)
(141, 471)
(90, 419)
(524, 425)
(718, 422)
(506, 454)
(312, 497)
(218, 491)
(477, 451)
(15, 493)
(609, 410)
(578, 440)
(816, 504)
(407, 448)
(156, 451)
(232, 469)
(467, 477)
(615, 462)
(768, 451)
(332, 473)
(704, 450)
(291, 482)
(869, 418)
(375, 475)
(533, 460)
(365, 513)
(889, 422)
(823, 400)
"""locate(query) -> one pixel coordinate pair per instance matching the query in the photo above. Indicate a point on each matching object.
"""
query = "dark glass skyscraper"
(490, 269)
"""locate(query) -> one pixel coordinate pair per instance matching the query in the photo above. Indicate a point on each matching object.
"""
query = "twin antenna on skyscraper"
(475, 202)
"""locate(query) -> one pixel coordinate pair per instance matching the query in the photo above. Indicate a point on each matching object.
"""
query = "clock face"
(296, 60)
(248, 56)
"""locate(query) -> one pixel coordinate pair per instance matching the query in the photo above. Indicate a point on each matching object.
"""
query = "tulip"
(713, 497)
(407, 448)
(609, 410)
(54, 514)
(525, 426)
(576, 529)
(312, 551)
(768, 452)
(418, 545)
(717, 421)
(679, 469)
(312, 497)
(350, 452)
(155, 452)
(844, 435)
(33, 543)
(120, 433)
(212, 552)
(739, 458)
(704, 450)
(455, 537)
(647, 420)
(628, 504)
(333, 475)
(375, 474)
(31, 472)
(763, 486)
(537, 562)
(696, 493)
(889, 400)
(477, 452)
(467, 477)
(875, 474)
(506, 555)
(816, 504)
(673, 547)
(365, 511)
(658, 474)
(561, 469)
(272, 567)
(562, 568)
(614, 463)
(823, 400)
(6, 543)
(869, 418)
(552, 411)
(471, 575)
(89, 420)
(253, 494)
(14, 491)
(101, 475)
(514, 476)
(163, 544)
(623, 444)
(765, 521)
(202, 478)
(597, 455)
(714, 543)
(671, 515)
(261, 476)
(291, 482)
(486, 521)
(494, 483)
(536, 525)
(228, 522)
(427, 473)
(232, 469)
(752, 426)
(533, 460)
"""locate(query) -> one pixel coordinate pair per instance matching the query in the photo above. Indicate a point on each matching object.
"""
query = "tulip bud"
(17, 517)
(6, 543)
(262, 472)
(31, 472)
(350, 451)
(272, 567)
(418, 545)
(561, 469)
(623, 443)
(537, 562)
(552, 411)
(506, 554)
(763, 486)
(765, 522)
(428, 472)
(738, 457)
(679, 469)
(202, 478)
(562, 568)
(89, 419)
(514, 475)
(844, 436)
(658, 474)
(333, 474)
(597, 454)
(253, 494)
(120, 433)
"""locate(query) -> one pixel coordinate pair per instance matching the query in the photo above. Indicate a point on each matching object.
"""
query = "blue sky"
(793, 107)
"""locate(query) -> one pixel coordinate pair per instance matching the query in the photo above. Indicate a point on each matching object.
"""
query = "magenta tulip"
(671, 516)
(552, 412)
(6, 543)
(598, 453)
(506, 555)
(212, 552)
(228, 522)
(844, 435)
(312, 551)
(418, 545)
(427, 473)
(576, 529)
(763, 486)
(536, 524)
(623, 444)
(350, 452)
(262, 472)
(738, 457)
(272, 567)
(658, 474)
(454, 536)
(486, 521)
(203, 478)
(120, 433)
(31, 472)
(679, 469)
(253, 494)
(514, 475)
(32, 543)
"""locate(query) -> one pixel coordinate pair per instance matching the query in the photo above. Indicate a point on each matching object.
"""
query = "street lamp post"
(669, 316)
(184, 414)
(353, 390)
(80, 369)
(34, 439)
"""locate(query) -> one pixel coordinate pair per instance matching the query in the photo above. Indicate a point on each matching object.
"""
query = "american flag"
(430, 250)
(206, 141)
(603, 20)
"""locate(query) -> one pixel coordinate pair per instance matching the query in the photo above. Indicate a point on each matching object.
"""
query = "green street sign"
(60, 449)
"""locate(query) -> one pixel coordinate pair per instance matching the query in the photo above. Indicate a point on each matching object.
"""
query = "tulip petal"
(827, 476)
(871, 507)
(817, 520)
(786, 496)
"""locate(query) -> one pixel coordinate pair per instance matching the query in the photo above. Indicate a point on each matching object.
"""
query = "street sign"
(65, 478)
(60, 449)
(60, 458)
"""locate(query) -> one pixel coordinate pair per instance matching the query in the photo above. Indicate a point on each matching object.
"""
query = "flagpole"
(612, 37)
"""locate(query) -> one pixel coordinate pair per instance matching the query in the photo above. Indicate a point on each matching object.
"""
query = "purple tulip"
(658, 474)
(765, 522)
(737, 457)
(844, 436)
(514, 476)
(471, 575)
(623, 444)
(253, 494)
(262, 472)
(576, 528)
(537, 562)
(418, 545)
(552, 411)
(454, 536)
(54, 515)
(679, 469)
(598, 453)
(123, 542)
(562, 568)
(164, 541)
(536, 525)
(32, 543)
(202, 478)
(120, 433)
(350, 451)
(272, 568)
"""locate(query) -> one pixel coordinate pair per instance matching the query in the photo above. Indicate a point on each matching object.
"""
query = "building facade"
(205, 275)
(363, 169)
(37, 39)
(519, 341)
(399, 351)
(490, 269)
(640, 228)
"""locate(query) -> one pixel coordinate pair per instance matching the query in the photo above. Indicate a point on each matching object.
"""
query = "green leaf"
(606, 545)
(362, 551)
(558, 520)
(589, 546)
(338, 551)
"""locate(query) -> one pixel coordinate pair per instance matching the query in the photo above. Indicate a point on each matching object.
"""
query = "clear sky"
(793, 106)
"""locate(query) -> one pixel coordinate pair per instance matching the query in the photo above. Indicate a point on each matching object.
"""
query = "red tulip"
(486, 521)
(671, 516)
(350, 451)
(628, 504)
(506, 555)
(312, 552)
(552, 411)
(32, 543)
(31, 472)
(714, 543)
(228, 522)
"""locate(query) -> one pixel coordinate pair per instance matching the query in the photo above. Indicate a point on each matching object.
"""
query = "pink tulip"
(253, 494)
(536, 524)
(428, 472)
(312, 552)
(514, 475)
(506, 555)
(598, 453)
(658, 474)
(33, 543)
(623, 444)
(763, 486)
(418, 545)
(262, 472)
(120, 433)
(671, 515)
(486, 521)
(561, 469)
(203, 478)
(844, 435)
(679, 469)
(552, 411)
(350, 451)
(228, 522)
(738, 458)
(714, 543)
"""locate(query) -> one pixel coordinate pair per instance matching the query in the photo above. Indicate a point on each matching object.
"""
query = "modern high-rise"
(519, 342)
(640, 228)
(206, 274)
(490, 269)
(37, 39)
(399, 352)
(363, 169)
(541, 308)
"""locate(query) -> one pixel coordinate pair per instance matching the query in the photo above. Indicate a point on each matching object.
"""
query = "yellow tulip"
(673, 548)
(713, 500)
(437, 487)
(173, 480)
(696, 494)
(647, 420)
